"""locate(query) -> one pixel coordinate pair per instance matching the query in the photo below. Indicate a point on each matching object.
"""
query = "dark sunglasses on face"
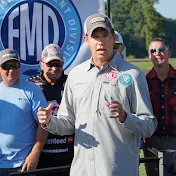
(8, 66)
(162, 49)
(116, 45)
(57, 65)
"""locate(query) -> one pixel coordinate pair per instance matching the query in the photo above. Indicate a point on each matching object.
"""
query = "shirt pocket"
(108, 93)
(82, 89)
(172, 98)
(82, 95)
(101, 105)
(154, 100)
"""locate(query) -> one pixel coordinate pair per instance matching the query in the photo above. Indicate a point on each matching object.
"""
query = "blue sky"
(167, 8)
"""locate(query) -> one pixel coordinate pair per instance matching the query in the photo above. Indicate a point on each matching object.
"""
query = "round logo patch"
(125, 79)
(28, 26)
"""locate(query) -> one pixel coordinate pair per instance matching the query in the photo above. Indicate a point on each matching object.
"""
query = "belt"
(164, 134)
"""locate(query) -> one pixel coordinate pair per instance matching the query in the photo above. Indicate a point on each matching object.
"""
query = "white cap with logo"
(119, 38)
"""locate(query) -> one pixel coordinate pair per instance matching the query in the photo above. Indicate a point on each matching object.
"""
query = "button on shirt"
(104, 146)
(163, 98)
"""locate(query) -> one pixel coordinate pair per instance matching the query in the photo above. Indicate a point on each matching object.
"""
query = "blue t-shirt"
(18, 115)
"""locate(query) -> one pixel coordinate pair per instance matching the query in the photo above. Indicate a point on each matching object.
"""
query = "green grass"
(145, 64)
(142, 171)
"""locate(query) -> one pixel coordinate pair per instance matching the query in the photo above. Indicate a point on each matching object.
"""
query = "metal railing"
(167, 167)
(43, 171)
(62, 169)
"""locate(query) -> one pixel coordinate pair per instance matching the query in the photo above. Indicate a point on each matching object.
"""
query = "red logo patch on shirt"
(55, 107)
(111, 75)
(70, 140)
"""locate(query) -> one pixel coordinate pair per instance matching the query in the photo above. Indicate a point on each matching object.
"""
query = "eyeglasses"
(116, 45)
(53, 64)
(162, 49)
(8, 66)
(57, 65)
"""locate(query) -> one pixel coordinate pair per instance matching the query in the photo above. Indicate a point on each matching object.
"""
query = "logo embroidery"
(27, 26)
(125, 79)
(55, 107)
(70, 140)
(111, 75)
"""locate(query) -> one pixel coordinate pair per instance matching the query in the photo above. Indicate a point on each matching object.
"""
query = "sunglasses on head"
(161, 49)
(57, 65)
(10, 66)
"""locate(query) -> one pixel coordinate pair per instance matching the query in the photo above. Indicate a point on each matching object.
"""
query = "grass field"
(142, 171)
(145, 64)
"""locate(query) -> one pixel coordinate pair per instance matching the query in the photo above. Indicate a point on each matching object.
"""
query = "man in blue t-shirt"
(21, 138)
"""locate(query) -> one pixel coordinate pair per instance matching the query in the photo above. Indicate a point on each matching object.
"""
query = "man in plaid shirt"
(162, 87)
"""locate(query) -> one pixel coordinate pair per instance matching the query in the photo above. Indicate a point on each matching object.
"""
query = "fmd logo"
(27, 26)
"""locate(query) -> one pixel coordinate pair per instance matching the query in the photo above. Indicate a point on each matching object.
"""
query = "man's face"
(53, 69)
(101, 44)
(10, 71)
(159, 54)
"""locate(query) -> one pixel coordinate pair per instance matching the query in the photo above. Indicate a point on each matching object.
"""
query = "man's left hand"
(117, 111)
(30, 162)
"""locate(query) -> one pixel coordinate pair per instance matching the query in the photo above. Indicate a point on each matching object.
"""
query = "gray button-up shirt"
(103, 146)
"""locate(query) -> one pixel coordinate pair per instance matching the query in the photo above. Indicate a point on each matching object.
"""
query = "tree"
(149, 20)
(138, 22)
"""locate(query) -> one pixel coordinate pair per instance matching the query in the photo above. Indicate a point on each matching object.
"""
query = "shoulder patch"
(125, 79)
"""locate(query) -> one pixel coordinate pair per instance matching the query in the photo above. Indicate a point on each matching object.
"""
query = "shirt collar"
(152, 73)
(113, 63)
(89, 64)
(172, 72)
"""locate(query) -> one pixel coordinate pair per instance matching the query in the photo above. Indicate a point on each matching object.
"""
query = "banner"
(28, 25)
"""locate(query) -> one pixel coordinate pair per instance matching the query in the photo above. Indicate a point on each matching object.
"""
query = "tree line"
(139, 22)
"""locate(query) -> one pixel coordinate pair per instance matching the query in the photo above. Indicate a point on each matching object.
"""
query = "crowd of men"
(94, 118)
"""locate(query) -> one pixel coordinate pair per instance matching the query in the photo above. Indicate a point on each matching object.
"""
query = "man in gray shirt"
(107, 104)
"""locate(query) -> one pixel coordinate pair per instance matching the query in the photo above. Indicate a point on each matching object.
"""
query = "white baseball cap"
(119, 38)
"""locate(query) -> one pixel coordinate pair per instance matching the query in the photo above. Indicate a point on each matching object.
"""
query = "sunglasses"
(116, 45)
(7, 66)
(162, 49)
(57, 65)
